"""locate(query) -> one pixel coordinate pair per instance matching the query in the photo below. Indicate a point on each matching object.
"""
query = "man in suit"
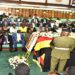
(35, 19)
(44, 21)
(18, 38)
(62, 46)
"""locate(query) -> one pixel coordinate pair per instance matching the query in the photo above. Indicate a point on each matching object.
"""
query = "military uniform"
(61, 52)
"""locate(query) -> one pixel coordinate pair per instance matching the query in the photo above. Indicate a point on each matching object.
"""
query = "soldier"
(62, 46)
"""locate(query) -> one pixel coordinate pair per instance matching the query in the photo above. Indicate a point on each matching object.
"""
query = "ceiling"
(40, 4)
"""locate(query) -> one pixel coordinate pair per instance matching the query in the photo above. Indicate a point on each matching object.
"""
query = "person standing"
(62, 46)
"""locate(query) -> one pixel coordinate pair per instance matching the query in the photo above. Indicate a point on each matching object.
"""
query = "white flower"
(14, 61)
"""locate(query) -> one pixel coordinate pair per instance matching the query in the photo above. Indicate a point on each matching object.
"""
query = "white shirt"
(57, 22)
(13, 30)
(18, 37)
(52, 24)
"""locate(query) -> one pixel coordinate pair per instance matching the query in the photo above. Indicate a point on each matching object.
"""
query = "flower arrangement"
(14, 61)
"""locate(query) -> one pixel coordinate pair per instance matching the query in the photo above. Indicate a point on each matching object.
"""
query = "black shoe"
(24, 49)
(0, 50)
(15, 50)
(11, 51)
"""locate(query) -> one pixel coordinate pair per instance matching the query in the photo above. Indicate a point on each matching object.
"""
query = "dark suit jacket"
(73, 30)
(42, 20)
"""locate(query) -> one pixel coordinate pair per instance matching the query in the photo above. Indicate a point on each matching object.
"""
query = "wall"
(41, 13)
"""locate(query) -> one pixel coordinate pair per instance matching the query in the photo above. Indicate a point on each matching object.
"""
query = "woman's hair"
(52, 73)
(22, 69)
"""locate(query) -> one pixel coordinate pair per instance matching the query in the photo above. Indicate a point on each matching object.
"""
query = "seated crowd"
(19, 30)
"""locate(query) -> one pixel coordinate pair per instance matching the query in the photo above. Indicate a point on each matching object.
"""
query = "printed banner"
(32, 40)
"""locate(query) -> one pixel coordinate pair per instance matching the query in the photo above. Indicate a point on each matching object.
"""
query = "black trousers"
(47, 58)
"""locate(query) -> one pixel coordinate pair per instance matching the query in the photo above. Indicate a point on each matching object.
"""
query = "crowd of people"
(15, 30)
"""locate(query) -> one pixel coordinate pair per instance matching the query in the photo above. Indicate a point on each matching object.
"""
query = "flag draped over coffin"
(42, 42)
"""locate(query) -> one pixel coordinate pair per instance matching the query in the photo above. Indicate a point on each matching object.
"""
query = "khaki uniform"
(61, 52)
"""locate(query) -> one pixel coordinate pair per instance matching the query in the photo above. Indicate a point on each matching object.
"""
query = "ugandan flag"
(42, 51)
